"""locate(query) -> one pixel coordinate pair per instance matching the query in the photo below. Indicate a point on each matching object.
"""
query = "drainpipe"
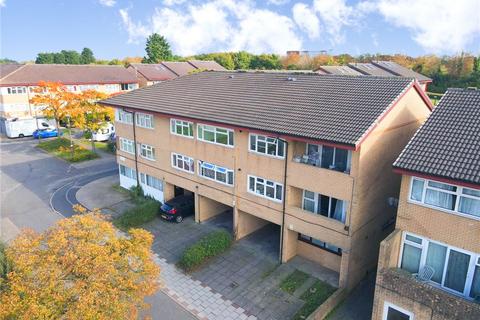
(134, 145)
(282, 227)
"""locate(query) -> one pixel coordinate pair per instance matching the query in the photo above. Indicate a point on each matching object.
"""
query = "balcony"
(313, 159)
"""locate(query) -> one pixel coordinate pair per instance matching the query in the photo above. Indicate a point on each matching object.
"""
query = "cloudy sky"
(118, 28)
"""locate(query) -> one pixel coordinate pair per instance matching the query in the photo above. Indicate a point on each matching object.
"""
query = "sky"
(118, 28)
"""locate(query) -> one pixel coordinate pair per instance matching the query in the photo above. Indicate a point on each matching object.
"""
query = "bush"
(87, 134)
(60, 147)
(146, 210)
(206, 248)
(111, 147)
(5, 264)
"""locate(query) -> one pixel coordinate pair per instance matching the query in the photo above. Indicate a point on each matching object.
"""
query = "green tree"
(59, 58)
(225, 60)
(266, 62)
(45, 57)
(71, 56)
(242, 60)
(86, 57)
(158, 49)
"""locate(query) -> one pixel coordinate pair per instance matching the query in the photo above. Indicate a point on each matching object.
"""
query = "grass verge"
(205, 249)
(144, 211)
(314, 297)
(293, 281)
(60, 147)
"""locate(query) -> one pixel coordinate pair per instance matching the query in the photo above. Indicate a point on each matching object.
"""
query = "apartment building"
(18, 81)
(429, 267)
(308, 153)
(151, 73)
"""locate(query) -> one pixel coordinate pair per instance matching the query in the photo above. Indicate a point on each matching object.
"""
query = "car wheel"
(178, 219)
(21, 135)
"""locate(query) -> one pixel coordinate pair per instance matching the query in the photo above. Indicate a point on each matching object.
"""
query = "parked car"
(45, 133)
(178, 208)
(19, 128)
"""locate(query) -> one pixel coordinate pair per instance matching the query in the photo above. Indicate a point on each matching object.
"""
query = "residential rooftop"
(330, 108)
(168, 70)
(448, 144)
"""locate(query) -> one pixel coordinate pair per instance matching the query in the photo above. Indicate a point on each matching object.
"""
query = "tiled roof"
(339, 109)
(206, 65)
(154, 71)
(399, 70)
(370, 69)
(448, 144)
(6, 69)
(340, 70)
(179, 68)
(32, 74)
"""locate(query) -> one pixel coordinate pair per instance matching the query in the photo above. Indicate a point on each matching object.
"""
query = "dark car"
(178, 208)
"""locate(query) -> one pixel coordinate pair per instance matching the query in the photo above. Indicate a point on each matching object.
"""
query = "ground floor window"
(393, 312)
(127, 172)
(151, 181)
(321, 244)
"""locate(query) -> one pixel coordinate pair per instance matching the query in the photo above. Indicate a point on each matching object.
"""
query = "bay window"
(183, 162)
(324, 205)
(329, 157)
(215, 135)
(215, 173)
(267, 145)
(265, 188)
(182, 128)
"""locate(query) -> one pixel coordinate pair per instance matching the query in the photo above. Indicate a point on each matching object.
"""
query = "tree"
(43, 58)
(81, 268)
(225, 60)
(241, 60)
(86, 57)
(71, 56)
(59, 58)
(266, 62)
(158, 49)
(54, 99)
(6, 60)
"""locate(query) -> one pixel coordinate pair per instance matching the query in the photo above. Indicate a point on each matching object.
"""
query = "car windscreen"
(166, 207)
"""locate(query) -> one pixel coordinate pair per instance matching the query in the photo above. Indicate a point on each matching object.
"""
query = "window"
(128, 86)
(329, 157)
(151, 181)
(111, 87)
(183, 162)
(445, 196)
(127, 172)
(88, 87)
(144, 120)
(147, 151)
(216, 173)
(321, 244)
(127, 145)
(265, 188)
(123, 116)
(215, 134)
(267, 145)
(17, 90)
(182, 128)
(392, 312)
(324, 205)
(455, 269)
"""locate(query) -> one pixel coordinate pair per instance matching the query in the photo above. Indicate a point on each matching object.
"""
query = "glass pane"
(251, 183)
(222, 138)
(312, 148)
(440, 199)
(318, 242)
(436, 259)
(261, 146)
(309, 205)
(411, 258)
(457, 269)
(441, 186)
(341, 157)
(230, 177)
(471, 192)
(279, 192)
(230, 138)
(270, 192)
(208, 136)
(260, 188)
(323, 205)
(394, 314)
(252, 142)
(190, 128)
(469, 206)
(327, 157)
(281, 148)
(413, 239)
(272, 149)
(417, 190)
(221, 176)
(475, 290)
(309, 194)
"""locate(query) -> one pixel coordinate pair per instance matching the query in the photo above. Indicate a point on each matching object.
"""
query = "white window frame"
(144, 120)
(265, 183)
(144, 178)
(275, 141)
(123, 116)
(217, 169)
(148, 150)
(387, 305)
(174, 123)
(132, 171)
(214, 130)
(318, 195)
(127, 142)
(332, 165)
(474, 261)
(458, 193)
(175, 158)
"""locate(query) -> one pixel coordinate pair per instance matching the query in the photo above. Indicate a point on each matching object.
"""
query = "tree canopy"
(86, 57)
(66, 57)
(157, 49)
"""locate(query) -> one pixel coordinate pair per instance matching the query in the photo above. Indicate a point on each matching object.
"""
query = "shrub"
(111, 147)
(5, 265)
(145, 211)
(136, 194)
(87, 134)
(206, 248)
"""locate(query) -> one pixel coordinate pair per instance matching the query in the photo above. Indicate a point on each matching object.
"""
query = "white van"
(19, 128)
(103, 134)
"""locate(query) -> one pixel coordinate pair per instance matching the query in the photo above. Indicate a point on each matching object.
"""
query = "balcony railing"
(314, 160)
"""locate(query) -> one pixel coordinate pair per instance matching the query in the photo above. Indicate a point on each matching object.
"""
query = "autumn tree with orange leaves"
(81, 268)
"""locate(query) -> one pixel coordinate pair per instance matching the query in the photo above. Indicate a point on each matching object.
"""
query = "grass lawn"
(60, 147)
(103, 146)
(293, 281)
(314, 297)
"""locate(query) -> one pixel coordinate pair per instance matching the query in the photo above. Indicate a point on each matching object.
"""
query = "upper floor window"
(216, 173)
(127, 145)
(183, 162)
(215, 134)
(445, 196)
(151, 181)
(455, 269)
(328, 157)
(324, 205)
(182, 128)
(265, 188)
(127, 172)
(128, 86)
(16, 90)
(267, 145)
(123, 116)
(147, 151)
(144, 120)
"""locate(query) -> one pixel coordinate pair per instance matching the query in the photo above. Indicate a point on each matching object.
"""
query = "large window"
(267, 145)
(123, 116)
(151, 181)
(182, 128)
(328, 157)
(324, 205)
(128, 86)
(144, 120)
(393, 312)
(127, 145)
(265, 188)
(455, 269)
(216, 173)
(445, 196)
(321, 244)
(147, 151)
(215, 134)
(183, 162)
(127, 172)
(17, 90)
